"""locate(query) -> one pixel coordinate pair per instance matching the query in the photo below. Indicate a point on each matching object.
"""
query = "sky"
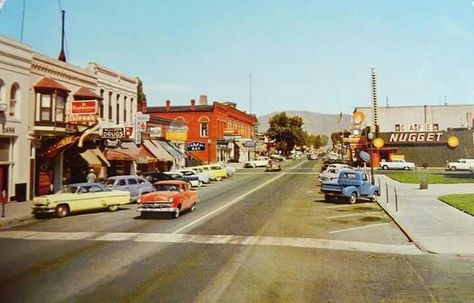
(267, 55)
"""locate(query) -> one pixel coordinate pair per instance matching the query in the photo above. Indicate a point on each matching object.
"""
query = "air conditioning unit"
(3, 107)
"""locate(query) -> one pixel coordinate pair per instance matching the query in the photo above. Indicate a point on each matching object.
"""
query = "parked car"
(461, 164)
(216, 172)
(259, 162)
(277, 157)
(201, 173)
(135, 185)
(350, 185)
(154, 176)
(186, 175)
(79, 197)
(330, 175)
(273, 165)
(312, 156)
(172, 196)
(229, 169)
(397, 164)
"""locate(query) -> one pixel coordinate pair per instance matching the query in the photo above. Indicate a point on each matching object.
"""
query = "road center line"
(226, 205)
(358, 228)
(297, 164)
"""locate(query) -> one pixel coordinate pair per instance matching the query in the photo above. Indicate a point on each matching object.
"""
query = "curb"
(16, 221)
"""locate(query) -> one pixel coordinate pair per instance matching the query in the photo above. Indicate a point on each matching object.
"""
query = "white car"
(397, 164)
(259, 162)
(461, 164)
(229, 169)
(331, 173)
(201, 173)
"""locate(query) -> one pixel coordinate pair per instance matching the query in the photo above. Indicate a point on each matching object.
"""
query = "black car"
(154, 176)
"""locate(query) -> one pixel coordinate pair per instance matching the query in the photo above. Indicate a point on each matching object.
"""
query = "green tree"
(287, 132)
(140, 95)
(316, 141)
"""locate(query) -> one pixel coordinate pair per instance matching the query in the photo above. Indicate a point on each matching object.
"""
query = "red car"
(171, 196)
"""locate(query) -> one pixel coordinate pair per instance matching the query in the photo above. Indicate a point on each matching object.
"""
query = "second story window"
(14, 92)
(45, 106)
(60, 108)
(110, 106)
(204, 128)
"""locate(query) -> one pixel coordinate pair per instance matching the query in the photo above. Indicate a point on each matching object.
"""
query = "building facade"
(422, 134)
(216, 132)
(15, 141)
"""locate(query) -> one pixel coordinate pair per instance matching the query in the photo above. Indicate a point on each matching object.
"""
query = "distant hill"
(314, 123)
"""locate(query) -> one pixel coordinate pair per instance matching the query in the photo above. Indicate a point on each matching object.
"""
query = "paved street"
(256, 237)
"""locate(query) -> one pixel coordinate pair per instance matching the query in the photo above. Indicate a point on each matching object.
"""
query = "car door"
(133, 188)
(364, 185)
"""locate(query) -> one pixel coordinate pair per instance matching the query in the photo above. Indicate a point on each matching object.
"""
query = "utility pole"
(374, 127)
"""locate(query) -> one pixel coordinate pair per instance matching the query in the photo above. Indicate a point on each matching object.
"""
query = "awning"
(86, 93)
(48, 83)
(173, 151)
(240, 145)
(101, 156)
(157, 150)
(91, 158)
(144, 156)
(128, 151)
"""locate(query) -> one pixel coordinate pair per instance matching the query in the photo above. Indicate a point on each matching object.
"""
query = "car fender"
(348, 190)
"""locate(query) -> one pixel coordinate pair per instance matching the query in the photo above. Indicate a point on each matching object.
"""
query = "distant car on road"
(273, 165)
(172, 196)
(397, 164)
(79, 197)
(259, 162)
(461, 164)
(277, 157)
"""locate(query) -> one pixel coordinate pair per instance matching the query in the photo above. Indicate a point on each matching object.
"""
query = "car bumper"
(157, 209)
(42, 210)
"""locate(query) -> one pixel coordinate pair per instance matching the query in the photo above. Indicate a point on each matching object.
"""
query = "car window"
(121, 182)
(110, 182)
(141, 181)
(132, 181)
(95, 189)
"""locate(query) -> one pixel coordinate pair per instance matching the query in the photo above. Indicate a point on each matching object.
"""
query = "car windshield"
(166, 187)
(69, 189)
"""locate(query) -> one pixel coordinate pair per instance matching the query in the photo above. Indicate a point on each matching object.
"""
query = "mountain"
(314, 123)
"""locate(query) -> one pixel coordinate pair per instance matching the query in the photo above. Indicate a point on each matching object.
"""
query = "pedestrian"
(91, 177)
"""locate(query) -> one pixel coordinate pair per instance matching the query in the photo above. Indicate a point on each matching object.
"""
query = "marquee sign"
(416, 137)
(195, 146)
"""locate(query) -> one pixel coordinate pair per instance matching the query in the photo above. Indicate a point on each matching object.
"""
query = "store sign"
(416, 127)
(113, 133)
(84, 107)
(195, 146)
(112, 143)
(177, 135)
(155, 131)
(78, 119)
(416, 137)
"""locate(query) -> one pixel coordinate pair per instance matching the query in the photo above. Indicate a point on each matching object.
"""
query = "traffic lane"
(128, 219)
(291, 206)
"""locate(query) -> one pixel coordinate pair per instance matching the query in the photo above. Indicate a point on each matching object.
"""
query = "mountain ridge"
(314, 123)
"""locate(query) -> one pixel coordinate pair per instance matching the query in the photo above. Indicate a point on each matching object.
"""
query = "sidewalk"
(433, 225)
(15, 213)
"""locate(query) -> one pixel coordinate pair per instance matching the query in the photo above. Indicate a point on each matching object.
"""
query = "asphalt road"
(256, 237)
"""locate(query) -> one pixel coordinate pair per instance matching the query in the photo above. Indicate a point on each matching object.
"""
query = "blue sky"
(302, 55)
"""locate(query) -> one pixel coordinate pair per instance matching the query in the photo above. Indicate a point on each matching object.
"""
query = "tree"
(316, 141)
(287, 132)
(140, 95)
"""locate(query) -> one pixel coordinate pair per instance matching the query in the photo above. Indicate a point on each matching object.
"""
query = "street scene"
(236, 152)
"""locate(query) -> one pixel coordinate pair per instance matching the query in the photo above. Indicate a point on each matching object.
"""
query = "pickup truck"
(351, 185)
(397, 164)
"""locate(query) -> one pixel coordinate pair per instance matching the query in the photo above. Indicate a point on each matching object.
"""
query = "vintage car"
(215, 171)
(79, 197)
(135, 185)
(273, 165)
(229, 169)
(461, 164)
(350, 185)
(172, 196)
(201, 173)
(259, 162)
(396, 164)
(191, 178)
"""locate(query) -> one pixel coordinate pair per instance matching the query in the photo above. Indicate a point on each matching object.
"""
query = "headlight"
(170, 199)
(139, 200)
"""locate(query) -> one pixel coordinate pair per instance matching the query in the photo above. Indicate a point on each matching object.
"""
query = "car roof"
(173, 182)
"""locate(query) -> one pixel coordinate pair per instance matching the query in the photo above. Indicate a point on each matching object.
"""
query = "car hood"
(157, 196)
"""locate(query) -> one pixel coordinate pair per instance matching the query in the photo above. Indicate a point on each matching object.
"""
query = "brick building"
(216, 132)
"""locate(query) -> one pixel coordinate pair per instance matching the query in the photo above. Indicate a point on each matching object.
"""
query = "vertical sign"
(140, 126)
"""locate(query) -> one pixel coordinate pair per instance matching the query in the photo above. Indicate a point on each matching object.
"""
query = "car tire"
(406, 168)
(327, 198)
(218, 178)
(144, 214)
(453, 168)
(62, 211)
(113, 207)
(193, 207)
(353, 198)
(199, 184)
(374, 197)
(385, 167)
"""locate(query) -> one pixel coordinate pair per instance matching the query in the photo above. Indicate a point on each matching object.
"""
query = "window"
(110, 105)
(45, 107)
(13, 99)
(117, 110)
(60, 108)
(125, 109)
(204, 127)
(2, 94)
(132, 181)
(101, 104)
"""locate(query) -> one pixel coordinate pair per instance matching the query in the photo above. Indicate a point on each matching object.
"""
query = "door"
(133, 187)
(4, 183)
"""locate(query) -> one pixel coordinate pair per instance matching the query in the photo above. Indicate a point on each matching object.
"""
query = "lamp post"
(208, 151)
(370, 137)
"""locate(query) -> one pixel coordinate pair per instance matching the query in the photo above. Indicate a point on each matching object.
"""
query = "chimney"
(168, 103)
(202, 100)
(193, 104)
